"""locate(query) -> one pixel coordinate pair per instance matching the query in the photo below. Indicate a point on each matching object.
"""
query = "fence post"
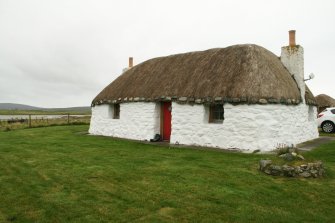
(29, 121)
(68, 118)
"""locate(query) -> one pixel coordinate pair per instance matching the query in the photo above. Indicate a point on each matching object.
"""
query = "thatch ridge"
(238, 74)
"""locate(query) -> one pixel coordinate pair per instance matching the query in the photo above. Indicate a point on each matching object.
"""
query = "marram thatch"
(324, 100)
(236, 74)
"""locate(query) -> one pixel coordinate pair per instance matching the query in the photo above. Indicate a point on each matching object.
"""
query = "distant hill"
(17, 107)
(12, 106)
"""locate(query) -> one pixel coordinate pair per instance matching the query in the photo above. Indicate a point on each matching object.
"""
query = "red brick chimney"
(131, 60)
(292, 38)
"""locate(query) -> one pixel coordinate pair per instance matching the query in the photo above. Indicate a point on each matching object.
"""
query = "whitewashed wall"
(247, 127)
(138, 120)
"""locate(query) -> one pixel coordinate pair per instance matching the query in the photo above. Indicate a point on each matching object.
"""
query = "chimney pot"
(292, 38)
(130, 62)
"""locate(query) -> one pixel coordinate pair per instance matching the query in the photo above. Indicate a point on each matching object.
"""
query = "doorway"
(166, 120)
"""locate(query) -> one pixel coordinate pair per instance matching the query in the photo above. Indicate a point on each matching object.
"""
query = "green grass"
(42, 122)
(60, 174)
(327, 134)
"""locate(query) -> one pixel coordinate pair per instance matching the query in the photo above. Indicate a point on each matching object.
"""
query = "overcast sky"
(62, 53)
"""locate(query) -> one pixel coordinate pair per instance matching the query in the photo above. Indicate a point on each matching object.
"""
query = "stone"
(297, 170)
(218, 99)
(305, 174)
(208, 99)
(276, 170)
(244, 99)
(253, 100)
(182, 99)
(263, 101)
(273, 101)
(288, 171)
(235, 100)
(303, 166)
(287, 156)
(283, 101)
(314, 173)
(264, 164)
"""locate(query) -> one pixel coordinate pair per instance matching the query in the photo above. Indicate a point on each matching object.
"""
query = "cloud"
(70, 50)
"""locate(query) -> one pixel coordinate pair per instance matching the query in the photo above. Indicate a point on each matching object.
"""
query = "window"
(333, 111)
(116, 111)
(216, 113)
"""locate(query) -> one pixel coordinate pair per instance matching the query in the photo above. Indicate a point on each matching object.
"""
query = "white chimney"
(292, 56)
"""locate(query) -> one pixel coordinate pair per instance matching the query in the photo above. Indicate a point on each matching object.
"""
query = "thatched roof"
(324, 100)
(236, 74)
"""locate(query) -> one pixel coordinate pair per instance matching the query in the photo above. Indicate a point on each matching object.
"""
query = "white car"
(326, 120)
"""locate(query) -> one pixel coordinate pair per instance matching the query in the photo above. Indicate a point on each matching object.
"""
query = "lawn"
(61, 174)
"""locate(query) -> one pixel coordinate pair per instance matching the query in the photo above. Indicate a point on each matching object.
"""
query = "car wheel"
(328, 127)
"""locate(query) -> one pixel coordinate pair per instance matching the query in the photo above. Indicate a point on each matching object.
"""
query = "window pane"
(116, 111)
(216, 113)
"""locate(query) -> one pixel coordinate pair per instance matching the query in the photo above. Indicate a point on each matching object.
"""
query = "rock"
(303, 167)
(273, 101)
(243, 99)
(263, 164)
(314, 173)
(276, 170)
(287, 156)
(182, 99)
(297, 170)
(236, 100)
(288, 171)
(218, 99)
(305, 174)
(263, 101)
(305, 170)
(198, 101)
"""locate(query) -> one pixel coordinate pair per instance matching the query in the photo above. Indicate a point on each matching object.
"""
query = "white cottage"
(242, 96)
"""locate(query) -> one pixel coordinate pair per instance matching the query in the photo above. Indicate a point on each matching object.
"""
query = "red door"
(166, 120)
